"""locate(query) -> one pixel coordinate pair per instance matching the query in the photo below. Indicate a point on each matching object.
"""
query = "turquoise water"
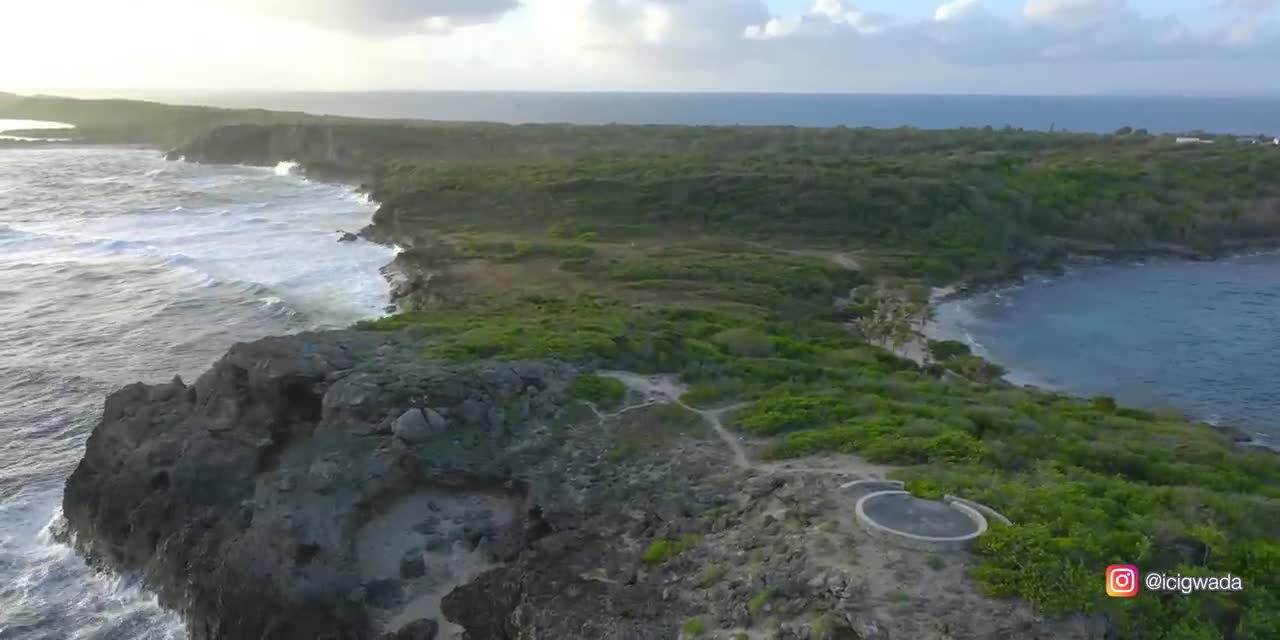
(1203, 338)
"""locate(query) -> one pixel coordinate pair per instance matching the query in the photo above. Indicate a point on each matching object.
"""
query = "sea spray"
(286, 168)
(116, 266)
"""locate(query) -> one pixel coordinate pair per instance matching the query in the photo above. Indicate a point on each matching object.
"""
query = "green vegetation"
(829, 627)
(717, 265)
(662, 550)
(693, 627)
(649, 431)
(944, 350)
(756, 605)
(711, 575)
(604, 392)
(754, 261)
(936, 562)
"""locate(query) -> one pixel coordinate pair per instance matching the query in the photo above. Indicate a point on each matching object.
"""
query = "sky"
(1183, 47)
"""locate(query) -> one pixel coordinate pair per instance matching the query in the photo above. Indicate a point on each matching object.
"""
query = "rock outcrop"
(334, 485)
(337, 486)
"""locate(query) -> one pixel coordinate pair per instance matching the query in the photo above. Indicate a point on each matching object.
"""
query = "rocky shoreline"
(335, 485)
(338, 485)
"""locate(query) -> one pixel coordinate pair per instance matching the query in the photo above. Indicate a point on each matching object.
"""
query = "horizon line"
(63, 91)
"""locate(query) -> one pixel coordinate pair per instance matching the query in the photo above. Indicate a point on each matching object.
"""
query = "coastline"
(449, 399)
(407, 280)
(959, 295)
(247, 255)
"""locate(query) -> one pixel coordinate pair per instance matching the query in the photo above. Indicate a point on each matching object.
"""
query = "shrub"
(662, 550)
(975, 368)
(694, 627)
(711, 574)
(756, 605)
(943, 350)
(744, 342)
(604, 392)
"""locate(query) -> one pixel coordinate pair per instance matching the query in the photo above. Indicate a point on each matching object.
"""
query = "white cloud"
(383, 16)
(774, 28)
(1072, 13)
(831, 45)
(827, 17)
(956, 10)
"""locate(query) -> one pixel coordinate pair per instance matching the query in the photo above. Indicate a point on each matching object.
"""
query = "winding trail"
(665, 389)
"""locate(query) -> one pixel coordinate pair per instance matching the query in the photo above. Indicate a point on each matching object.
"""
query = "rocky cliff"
(326, 151)
(334, 486)
(338, 486)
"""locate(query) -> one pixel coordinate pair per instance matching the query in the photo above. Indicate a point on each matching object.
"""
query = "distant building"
(1189, 140)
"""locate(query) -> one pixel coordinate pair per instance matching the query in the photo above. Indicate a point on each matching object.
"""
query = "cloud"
(971, 46)
(384, 17)
(956, 10)
(1046, 32)
(1072, 13)
(826, 17)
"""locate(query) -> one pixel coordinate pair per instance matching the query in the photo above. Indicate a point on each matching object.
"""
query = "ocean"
(1198, 337)
(115, 267)
(1097, 114)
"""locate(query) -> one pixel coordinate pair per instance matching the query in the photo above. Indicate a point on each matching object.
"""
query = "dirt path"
(665, 389)
(847, 261)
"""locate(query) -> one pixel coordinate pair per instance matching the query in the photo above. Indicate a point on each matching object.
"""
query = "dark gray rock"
(243, 498)
(412, 565)
(435, 420)
(239, 497)
(417, 630)
(412, 427)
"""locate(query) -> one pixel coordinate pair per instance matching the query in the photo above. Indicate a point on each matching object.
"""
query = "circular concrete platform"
(920, 524)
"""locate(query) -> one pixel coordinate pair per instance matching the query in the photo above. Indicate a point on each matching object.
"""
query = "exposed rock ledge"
(336, 486)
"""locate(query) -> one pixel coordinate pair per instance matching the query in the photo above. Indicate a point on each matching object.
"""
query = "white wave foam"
(286, 168)
(160, 271)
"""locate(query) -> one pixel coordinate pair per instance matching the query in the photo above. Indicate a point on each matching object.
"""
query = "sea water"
(1202, 338)
(1096, 114)
(115, 267)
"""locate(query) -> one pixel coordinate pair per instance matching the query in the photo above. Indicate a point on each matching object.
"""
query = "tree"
(898, 314)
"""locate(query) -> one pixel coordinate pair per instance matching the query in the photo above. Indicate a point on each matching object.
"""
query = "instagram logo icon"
(1122, 581)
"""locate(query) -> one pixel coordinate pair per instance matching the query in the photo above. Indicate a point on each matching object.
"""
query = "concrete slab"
(909, 514)
(915, 523)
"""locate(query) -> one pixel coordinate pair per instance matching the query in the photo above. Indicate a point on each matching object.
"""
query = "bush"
(663, 550)
(660, 551)
(756, 605)
(943, 350)
(694, 627)
(604, 392)
(744, 343)
(710, 576)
